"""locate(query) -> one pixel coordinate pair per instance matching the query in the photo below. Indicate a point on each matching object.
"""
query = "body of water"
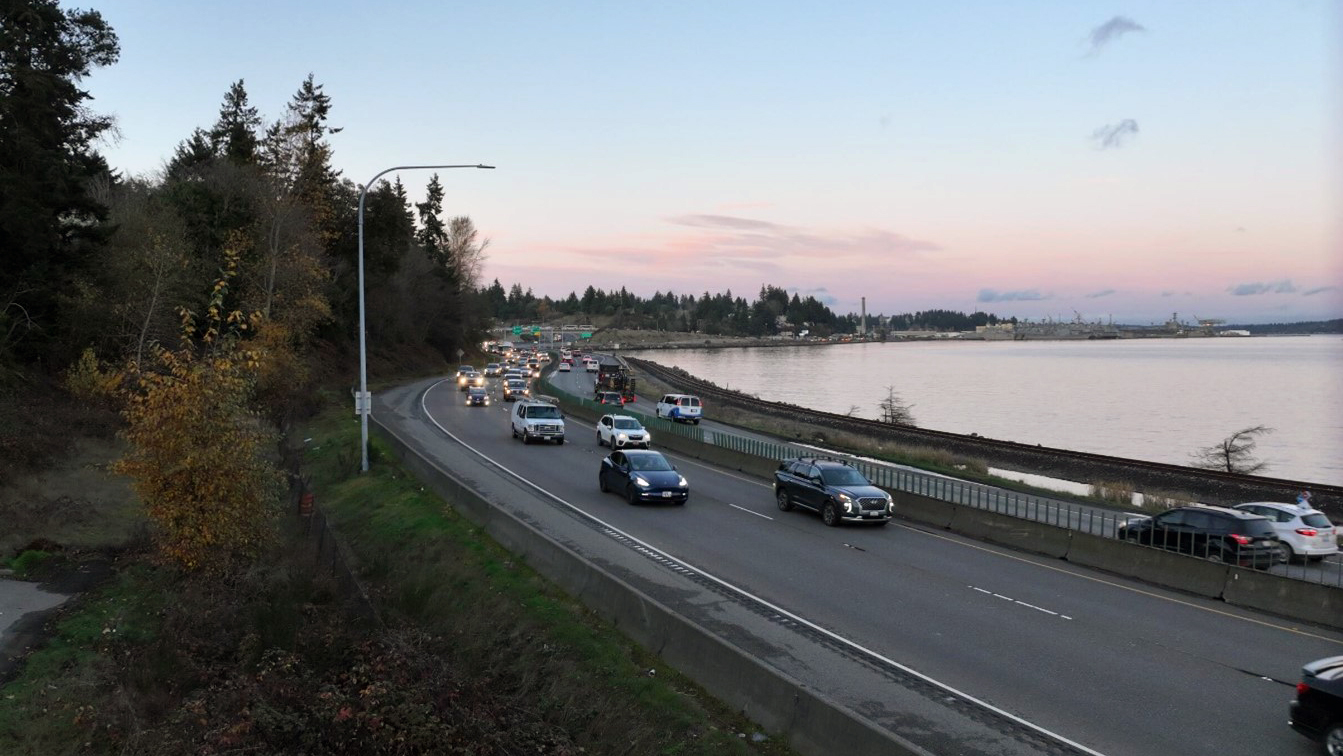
(1157, 399)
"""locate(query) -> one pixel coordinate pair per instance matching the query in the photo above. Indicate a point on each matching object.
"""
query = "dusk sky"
(1037, 159)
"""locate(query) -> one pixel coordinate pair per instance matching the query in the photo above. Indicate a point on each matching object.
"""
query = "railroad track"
(1207, 479)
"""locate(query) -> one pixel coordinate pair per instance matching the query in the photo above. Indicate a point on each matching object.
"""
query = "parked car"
(1303, 532)
(1317, 711)
(619, 431)
(515, 389)
(1217, 534)
(642, 475)
(610, 397)
(476, 396)
(832, 487)
(680, 407)
(533, 420)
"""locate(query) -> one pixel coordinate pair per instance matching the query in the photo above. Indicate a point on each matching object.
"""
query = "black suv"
(1212, 533)
(1317, 711)
(832, 487)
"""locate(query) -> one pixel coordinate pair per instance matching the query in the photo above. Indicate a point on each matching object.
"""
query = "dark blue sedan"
(642, 475)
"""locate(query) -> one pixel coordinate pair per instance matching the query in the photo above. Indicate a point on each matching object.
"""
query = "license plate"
(666, 494)
(872, 514)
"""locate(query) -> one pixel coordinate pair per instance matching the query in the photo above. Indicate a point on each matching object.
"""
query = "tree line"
(772, 312)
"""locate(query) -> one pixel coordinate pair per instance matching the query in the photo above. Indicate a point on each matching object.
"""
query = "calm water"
(1159, 399)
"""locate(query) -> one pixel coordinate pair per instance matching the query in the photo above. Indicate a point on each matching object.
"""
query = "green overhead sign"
(587, 334)
(517, 330)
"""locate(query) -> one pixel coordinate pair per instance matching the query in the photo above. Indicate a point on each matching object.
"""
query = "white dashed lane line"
(1020, 603)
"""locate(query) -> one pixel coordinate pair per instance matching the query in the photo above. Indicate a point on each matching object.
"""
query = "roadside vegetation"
(461, 648)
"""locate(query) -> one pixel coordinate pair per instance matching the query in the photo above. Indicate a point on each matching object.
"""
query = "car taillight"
(1301, 688)
(1307, 531)
(1240, 539)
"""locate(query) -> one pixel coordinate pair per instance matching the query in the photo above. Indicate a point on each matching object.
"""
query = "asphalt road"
(1108, 665)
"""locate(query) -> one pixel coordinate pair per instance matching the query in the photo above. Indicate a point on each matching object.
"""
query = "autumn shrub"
(1113, 492)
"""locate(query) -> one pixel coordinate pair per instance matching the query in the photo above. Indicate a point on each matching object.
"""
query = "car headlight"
(648, 437)
(848, 505)
(640, 482)
(682, 482)
(623, 438)
(845, 498)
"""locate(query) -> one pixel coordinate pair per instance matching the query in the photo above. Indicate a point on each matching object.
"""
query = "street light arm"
(364, 402)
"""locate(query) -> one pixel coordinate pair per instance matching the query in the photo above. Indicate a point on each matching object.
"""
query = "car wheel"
(631, 494)
(782, 498)
(1285, 553)
(830, 514)
(515, 431)
(1333, 739)
(601, 483)
(695, 422)
(600, 442)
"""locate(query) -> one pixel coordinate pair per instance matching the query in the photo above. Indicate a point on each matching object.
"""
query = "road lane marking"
(811, 626)
(1016, 601)
(1131, 589)
(747, 511)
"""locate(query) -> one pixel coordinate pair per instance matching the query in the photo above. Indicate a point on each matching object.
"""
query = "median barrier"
(1026, 535)
(1156, 566)
(810, 722)
(1312, 602)
(923, 509)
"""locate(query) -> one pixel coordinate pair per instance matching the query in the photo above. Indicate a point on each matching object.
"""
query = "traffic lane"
(1328, 571)
(926, 619)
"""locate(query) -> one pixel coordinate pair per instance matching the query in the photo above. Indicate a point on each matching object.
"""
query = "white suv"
(537, 421)
(619, 431)
(1303, 533)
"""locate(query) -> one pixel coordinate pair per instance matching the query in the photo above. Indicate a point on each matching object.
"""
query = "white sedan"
(564, 367)
(620, 431)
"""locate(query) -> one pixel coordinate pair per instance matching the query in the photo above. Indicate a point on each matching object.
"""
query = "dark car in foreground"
(832, 487)
(641, 475)
(1214, 533)
(477, 396)
(1317, 711)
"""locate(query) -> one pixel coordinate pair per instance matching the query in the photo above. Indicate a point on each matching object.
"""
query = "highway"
(958, 646)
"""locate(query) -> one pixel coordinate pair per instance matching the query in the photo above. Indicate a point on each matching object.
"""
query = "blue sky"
(1027, 158)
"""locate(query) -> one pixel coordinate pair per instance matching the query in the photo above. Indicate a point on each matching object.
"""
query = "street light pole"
(363, 402)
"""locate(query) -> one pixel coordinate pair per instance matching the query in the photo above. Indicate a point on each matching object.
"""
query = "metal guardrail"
(1080, 518)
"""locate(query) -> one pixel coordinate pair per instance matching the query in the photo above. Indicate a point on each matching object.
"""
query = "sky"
(1120, 162)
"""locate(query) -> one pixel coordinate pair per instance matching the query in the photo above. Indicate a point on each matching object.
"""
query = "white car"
(620, 431)
(564, 367)
(591, 365)
(1303, 532)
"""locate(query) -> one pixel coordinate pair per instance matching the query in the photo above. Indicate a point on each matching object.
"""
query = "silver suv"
(537, 421)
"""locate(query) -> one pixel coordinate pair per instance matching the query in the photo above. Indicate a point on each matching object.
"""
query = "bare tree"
(1235, 453)
(894, 410)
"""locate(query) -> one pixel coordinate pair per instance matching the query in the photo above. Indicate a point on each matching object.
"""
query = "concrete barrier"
(1026, 535)
(1156, 566)
(923, 509)
(1283, 596)
(811, 723)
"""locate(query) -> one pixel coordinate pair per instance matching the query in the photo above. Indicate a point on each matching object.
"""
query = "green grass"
(431, 567)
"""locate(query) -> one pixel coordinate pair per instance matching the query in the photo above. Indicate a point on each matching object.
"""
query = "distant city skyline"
(1033, 159)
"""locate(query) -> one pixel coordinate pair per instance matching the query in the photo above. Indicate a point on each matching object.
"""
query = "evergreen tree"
(49, 222)
(234, 135)
(433, 235)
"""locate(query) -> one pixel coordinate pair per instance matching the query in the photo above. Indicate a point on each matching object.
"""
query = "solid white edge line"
(723, 583)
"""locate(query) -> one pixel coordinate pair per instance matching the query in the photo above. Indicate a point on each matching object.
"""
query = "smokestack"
(864, 316)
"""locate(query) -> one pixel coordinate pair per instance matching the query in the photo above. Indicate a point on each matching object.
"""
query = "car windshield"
(544, 412)
(515, 383)
(476, 391)
(649, 462)
(627, 423)
(843, 476)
